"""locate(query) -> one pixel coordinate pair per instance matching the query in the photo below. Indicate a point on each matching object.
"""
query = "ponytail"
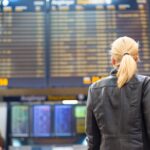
(127, 69)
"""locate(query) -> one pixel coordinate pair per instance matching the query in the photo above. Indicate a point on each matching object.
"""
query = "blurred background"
(50, 52)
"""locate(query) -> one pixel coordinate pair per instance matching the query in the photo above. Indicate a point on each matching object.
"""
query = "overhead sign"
(33, 98)
(24, 98)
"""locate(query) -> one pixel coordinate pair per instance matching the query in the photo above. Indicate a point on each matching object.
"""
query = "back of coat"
(119, 119)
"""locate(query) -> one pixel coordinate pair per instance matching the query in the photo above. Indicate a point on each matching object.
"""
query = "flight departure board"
(22, 42)
(81, 36)
(58, 43)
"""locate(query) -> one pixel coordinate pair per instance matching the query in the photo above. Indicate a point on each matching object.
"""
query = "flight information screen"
(22, 42)
(63, 120)
(41, 124)
(20, 120)
(80, 111)
(81, 36)
(80, 126)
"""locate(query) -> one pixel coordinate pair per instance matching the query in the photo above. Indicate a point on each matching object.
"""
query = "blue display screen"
(63, 120)
(41, 120)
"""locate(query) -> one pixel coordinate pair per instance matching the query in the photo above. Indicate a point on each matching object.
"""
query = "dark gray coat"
(119, 119)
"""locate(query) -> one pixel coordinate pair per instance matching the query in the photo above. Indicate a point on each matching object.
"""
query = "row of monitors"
(44, 120)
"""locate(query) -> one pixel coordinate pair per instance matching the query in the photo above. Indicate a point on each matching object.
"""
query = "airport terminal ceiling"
(46, 44)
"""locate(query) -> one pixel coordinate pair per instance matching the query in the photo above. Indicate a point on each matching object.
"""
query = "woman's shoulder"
(145, 81)
(111, 81)
(107, 81)
(142, 78)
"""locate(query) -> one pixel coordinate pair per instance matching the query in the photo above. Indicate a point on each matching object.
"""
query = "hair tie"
(126, 54)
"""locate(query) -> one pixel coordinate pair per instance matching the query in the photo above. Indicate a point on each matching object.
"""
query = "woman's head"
(124, 54)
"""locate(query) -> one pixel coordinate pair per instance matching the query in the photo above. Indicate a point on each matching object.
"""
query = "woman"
(118, 107)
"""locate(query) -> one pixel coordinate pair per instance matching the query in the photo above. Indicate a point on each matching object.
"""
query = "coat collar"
(132, 80)
(114, 72)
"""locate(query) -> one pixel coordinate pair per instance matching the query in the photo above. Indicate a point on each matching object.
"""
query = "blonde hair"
(124, 51)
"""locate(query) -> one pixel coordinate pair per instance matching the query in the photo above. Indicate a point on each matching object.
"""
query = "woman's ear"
(136, 58)
(113, 61)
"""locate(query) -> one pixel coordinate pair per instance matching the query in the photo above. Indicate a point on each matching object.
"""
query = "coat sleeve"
(146, 106)
(92, 130)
